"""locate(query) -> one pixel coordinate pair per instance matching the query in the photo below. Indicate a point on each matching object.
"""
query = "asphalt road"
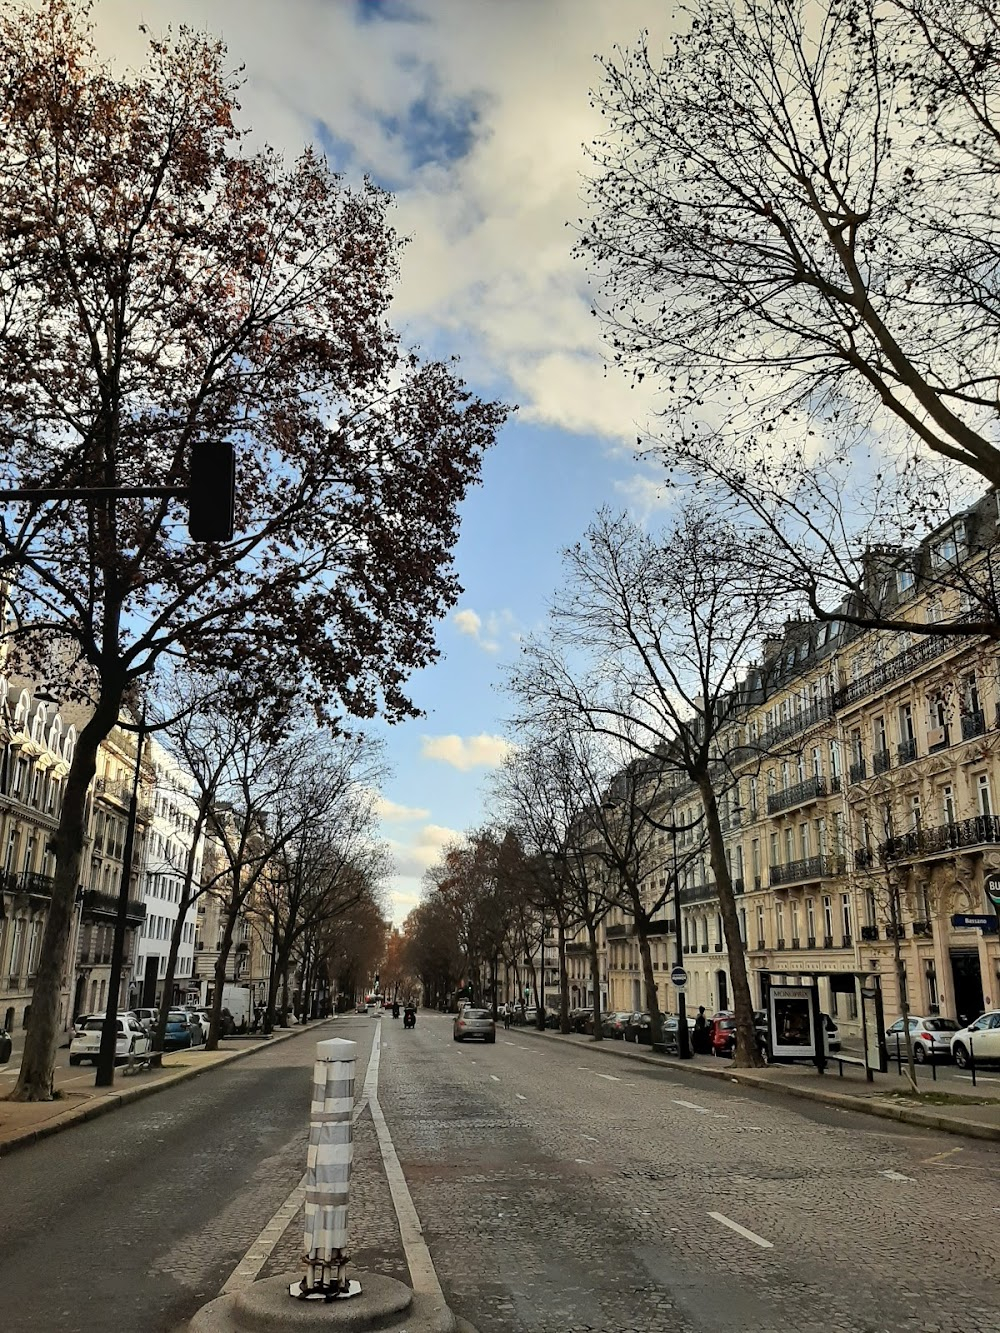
(561, 1190)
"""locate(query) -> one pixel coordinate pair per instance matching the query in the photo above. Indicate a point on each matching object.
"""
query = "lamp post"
(109, 1033)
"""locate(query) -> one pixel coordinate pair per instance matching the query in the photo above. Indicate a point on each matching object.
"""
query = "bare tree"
(649, 640)
(793, 224)
(163, 289)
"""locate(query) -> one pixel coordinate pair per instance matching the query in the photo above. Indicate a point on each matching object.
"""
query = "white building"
(168, 848)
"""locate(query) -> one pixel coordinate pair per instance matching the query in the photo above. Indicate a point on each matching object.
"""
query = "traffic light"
(212, 491)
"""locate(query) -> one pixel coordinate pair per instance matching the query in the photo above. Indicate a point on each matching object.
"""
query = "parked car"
(178, 1036)
(578, 1019)
(979, 1040)
(638, 1029)
(6, 1046)
(204, 1020)
(613, 1025)
(132, 1039)
(80, 1024)
(722, 1034)
(361, 1007)
(474, 1023)
(147, 1017)
(930, 1036)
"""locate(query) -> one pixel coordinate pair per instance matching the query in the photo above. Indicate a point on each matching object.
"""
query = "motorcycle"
(395, 1011)
(410, 1018)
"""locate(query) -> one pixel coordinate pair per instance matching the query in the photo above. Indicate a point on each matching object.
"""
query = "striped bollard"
(328, 1175)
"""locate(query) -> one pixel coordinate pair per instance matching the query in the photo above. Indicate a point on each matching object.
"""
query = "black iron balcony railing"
(810, 867)
(810, 941)
(881, 762)
(923, 929)
(761, 944)
(616, 932)
(827, 941)
(96, 903)
(696, 893)
(863, 858)
(779, 943)
(906, 751)
(978, 831)
(973, 724)
(869, 933)
(28, 882)
(718, 946)
(821, 711)
(858, 770)
(810, 789)
(900, 665)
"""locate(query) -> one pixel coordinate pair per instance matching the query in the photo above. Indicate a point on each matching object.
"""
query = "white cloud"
(465, 752)
(393, 813)
(645, 495)
(487, 634)
(420, 852)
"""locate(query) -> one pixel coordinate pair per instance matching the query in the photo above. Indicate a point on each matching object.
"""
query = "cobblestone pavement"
(560, 1194)
(135, 1220)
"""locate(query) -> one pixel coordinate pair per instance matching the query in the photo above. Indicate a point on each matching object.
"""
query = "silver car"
(931, 1037)
(475, 1023)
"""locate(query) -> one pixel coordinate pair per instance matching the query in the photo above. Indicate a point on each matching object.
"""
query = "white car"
(980, 1041)
(133, 1039)
(204, 1020)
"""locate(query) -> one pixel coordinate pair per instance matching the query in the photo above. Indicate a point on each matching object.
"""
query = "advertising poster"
(791, 1021)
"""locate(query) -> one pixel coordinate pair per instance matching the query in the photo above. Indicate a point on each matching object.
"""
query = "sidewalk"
(25, 1123)
(975, 1113)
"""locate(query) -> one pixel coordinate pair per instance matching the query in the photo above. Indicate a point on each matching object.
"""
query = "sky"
(474, 114)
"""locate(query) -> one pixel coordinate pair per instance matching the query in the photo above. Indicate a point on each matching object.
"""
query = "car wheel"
(961, 1056)
(456, 1037)
(492, 1040)
(74, 1059)
(919, 1054)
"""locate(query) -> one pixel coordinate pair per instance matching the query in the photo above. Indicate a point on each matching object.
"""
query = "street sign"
(992, 886)
(984, 923)
(678, 977)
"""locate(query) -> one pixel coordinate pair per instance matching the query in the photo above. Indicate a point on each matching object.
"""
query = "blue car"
(178, 1033)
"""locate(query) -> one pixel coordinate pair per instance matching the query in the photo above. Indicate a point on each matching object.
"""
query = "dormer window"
(949, 548)
(904, 580)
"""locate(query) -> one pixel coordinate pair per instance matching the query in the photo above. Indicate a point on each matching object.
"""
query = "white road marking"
(742, 1231)
(590, 1138)
(583, 1161)
(510, 1043)
(896, 1175)
(520, 1096)
(494, 1078)
(612, 1078)
(690, 1106)
(980, 1078)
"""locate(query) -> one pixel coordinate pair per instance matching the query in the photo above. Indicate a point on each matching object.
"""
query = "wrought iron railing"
(973, 724)
(881, 762)
(810, 789)
(810, 867)
(900, 665)
(975, 832)
(821, 711)
(906, 751)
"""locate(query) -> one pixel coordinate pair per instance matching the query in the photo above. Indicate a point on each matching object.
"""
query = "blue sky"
(473, 113)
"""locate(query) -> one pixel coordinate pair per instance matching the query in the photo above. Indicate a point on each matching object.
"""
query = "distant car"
(979, 1041)
(578, 1019)
(147, 1017)
(638, 1028)
(613, 1025)
(204, 1020)
(178, 1036)
(474, 1023)
(361, 1007)
(6, 1046)
(722, 1034)
(931, 1037)
(132, 1039)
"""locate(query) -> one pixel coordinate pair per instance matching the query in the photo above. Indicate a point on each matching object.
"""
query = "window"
(984, 800)
(828, 916)
(755, 857)
(779, 920)
(760, 923)
(880, 739)
(934, 612)
(845, 915)
(906, 723)
(904, 580)
(915, 814)
(817, 762)
(775, 854)
(970, 693)
(811, 918)
(789, 846)
(834, 760)
(793, 911)
(948, 804)
(804, 841)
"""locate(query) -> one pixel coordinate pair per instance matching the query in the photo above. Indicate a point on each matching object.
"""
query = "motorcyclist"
(410, 1017)
(395, 1008)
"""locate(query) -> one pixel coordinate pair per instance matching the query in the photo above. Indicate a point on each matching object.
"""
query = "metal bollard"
(328, 1175)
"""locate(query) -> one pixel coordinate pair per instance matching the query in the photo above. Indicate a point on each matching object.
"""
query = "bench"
(842, 1060)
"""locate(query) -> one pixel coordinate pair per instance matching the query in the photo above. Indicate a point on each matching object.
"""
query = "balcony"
(863, 858)
(906, 751)
(718, 946)
(761, 945)
(106, 904)
(858, 770)
(923, 930)
(980, 830)
(28, 882)
(697, 893)
(881, 762)
(795, 942)
(704, 948)
(973, 724)
(821, 711)
(827, 941)
(811, 942)
(811, 867)
(895, 932)
(616, 932)
(846, 942)
(901, 665)
(779, 944)
(811, 789)
(869, 933)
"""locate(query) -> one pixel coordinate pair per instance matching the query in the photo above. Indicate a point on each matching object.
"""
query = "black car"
(639, 1029)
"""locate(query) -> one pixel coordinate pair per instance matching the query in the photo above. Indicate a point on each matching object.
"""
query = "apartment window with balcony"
(948, 804)
(785, 775)
(845, 916)
(811, 918)
(29, 854)
(793, 912)
(878, 727)
(772, 782)
(718, 927)
(11, 852)
(739, 862)
(789, 846)
(828, 916)
(760, 924)
(800, 767)
(915, 823)
(984, 798)
(33, 945)
(704, 932)
(934, 612)
(804, 841)
(821, 836)
(857, 749)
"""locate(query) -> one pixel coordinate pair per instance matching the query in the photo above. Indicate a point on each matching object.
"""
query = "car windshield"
(477, 1013)
(94, 1025)
(940, 1025)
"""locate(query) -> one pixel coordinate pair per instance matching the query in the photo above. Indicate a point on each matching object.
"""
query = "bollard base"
(353, 1289)
(264, 1307)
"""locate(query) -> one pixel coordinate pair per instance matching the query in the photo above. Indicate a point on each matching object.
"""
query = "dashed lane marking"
(690, 1106)
(520, 1096)
(612, 1078)
(938, 1158)
(494, 1078)
(897, 1175)
(590, 1138)
(742, 1231)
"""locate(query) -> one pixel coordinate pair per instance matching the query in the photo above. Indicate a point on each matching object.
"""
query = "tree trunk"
(904, 1003)
(746, 1055)
(221, 964)
(35, 1080)
(648, 981)
(563, 981)
(595, 977)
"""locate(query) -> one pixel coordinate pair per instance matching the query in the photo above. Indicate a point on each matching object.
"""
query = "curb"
(907, 1115)
(99, 1106)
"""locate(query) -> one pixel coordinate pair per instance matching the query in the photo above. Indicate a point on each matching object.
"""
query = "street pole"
(683, 1043)
(109, 1034)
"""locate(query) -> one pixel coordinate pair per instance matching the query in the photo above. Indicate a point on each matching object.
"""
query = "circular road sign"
(678, 977)
(992, 887)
